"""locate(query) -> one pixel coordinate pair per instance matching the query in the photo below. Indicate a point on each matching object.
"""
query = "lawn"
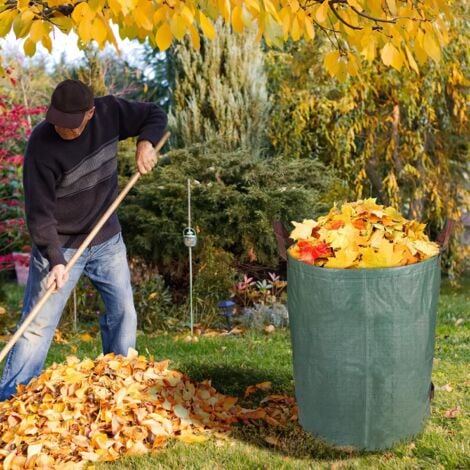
(235, 362)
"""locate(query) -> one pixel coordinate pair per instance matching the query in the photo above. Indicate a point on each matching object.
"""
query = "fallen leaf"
(253, 388)
(452, 413)
(86, 337)
(270, 329)
(445, 388)
(273, 440)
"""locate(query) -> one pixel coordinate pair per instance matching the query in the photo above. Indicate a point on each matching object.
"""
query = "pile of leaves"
(114, 406)
(361, 234)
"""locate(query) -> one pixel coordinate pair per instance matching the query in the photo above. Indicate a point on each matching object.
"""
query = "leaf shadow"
(290, 441)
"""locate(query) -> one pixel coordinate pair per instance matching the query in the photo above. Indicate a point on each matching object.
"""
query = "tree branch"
(333, 9)
(396, 138)
(365, 15)
(324, 28)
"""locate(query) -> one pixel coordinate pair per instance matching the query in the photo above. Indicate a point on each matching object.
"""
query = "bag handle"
(282, 236)
(444, 236)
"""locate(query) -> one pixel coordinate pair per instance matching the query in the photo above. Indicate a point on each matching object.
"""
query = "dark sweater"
(69, 184)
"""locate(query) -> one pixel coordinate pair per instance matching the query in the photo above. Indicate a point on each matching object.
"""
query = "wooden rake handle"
(77, 255)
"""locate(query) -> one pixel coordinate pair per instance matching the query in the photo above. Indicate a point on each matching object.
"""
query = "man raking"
(70, 180)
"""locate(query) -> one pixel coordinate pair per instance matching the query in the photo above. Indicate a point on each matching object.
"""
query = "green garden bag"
(363, 344)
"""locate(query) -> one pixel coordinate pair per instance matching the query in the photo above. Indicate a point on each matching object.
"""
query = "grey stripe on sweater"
(98, 167)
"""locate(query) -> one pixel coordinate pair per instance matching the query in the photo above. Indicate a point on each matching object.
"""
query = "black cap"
(69, 102)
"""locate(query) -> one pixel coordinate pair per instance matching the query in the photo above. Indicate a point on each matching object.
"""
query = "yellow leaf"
(295, 30)
(64, 23)
(322, 12)
(253, 5)
(428, 248)
(391, 56)
(355, 4)
(309, 29)
(163, 37)
(206, 26)
(237, 19)
(225, 9)
(6, 20)
(37, 31)
(127, 5)
(47, 42)
(195, 39)
(86, 337)
(82, 12)
(411, 59)
(303, 230)
(285, 15)
(265, 386)
(369, 45)
(343, 259)
(375, 8)
(143, 14)
(331, 62)
(161, 14)
(342, 72)
(98, 30)
(392, 6)
(115, 7)
(96, 5)
(177, 26)
(431, 46)
(420, 54)
(384, 257)
(294, 6)
(190, 438)
(22, 23)
(353, 65)
(187, 14)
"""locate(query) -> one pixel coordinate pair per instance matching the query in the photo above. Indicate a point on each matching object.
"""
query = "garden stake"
(190, 240)
(77, 255)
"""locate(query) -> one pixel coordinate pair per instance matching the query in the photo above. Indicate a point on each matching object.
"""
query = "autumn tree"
(400, 137)
(220, 92)
(402, 33)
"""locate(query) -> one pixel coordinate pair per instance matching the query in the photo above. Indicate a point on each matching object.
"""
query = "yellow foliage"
(402, 31)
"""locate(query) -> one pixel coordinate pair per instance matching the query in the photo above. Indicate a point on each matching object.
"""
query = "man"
(70, 179)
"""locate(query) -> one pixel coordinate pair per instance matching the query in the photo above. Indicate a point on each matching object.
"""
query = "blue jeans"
(106, 267)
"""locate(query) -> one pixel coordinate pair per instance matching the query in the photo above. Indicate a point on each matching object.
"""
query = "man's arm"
(39, 184)
(147, 121)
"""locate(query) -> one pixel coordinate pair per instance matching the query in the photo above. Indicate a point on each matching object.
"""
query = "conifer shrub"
(235, 199)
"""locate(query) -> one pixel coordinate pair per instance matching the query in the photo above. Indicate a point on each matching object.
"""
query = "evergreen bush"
(235, 198)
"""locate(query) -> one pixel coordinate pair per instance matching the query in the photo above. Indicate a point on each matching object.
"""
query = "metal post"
(190, 263)
(75, 328)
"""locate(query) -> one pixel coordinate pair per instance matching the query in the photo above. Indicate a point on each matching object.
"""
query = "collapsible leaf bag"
(363, 343)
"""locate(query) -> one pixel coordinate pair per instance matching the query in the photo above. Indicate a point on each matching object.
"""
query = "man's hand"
(145, 157)
(57, 276)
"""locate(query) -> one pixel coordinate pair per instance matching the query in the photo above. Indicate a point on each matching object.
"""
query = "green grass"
(233, 363)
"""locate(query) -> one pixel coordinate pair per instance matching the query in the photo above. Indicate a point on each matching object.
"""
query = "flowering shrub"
(249, 292)
(262, 302)
(14, 131)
